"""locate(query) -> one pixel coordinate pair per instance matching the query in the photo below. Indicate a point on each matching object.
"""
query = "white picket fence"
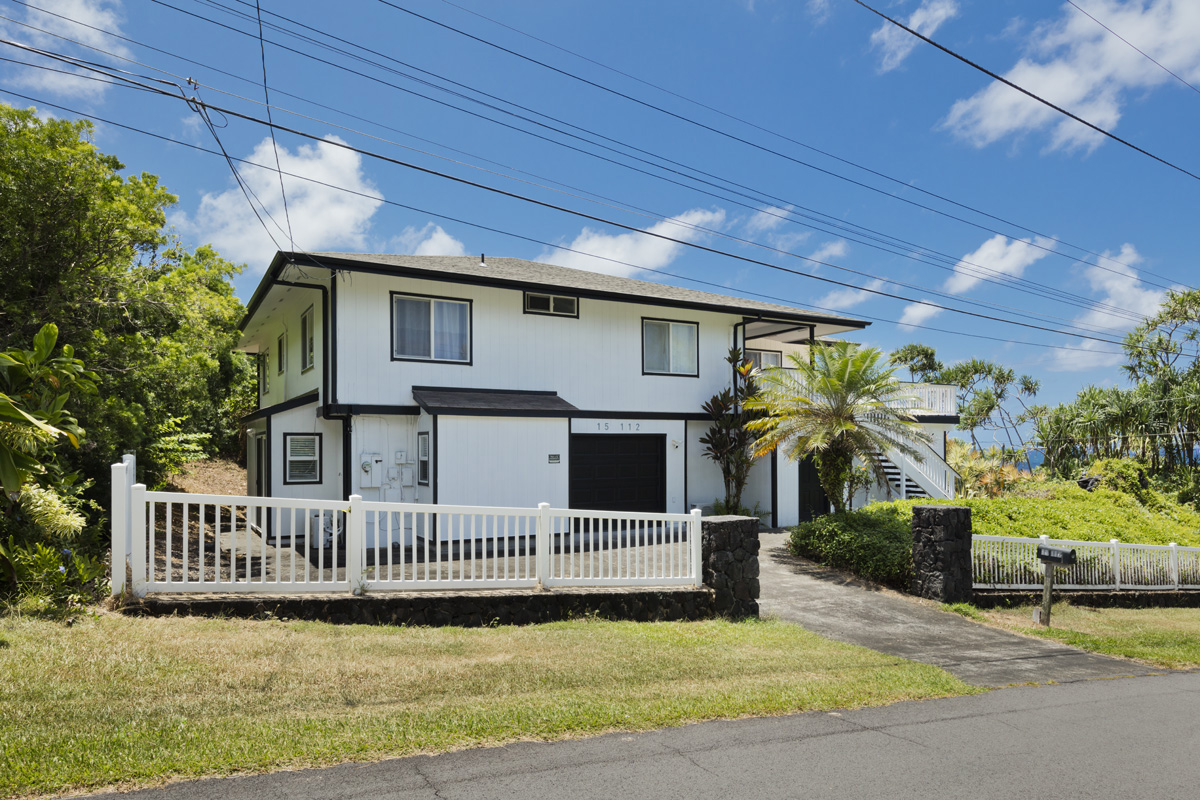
(178, 543)
(1007, 562)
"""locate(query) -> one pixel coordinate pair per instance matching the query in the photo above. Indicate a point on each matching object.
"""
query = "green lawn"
(1166, 637)
(128, 701)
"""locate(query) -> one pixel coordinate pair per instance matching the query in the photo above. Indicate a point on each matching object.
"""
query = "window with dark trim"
(264, 373)
(670, 347)
(423, 458)
(555, 305)
(765, 359)
(302, 458)
(430, 328)
(281, 353)
(308, 341)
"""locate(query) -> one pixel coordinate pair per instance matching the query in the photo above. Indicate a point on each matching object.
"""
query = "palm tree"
(844, 404)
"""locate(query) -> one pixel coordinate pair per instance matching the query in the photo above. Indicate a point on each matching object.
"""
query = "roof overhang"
(436, 400)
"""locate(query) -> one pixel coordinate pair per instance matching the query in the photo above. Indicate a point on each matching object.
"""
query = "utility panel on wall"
(370, 469)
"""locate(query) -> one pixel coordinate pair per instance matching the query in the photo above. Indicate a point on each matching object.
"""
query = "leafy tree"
(728, 441)
(845, 404)
(920, 360)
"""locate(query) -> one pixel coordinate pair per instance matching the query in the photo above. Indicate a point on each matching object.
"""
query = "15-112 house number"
(618, 426)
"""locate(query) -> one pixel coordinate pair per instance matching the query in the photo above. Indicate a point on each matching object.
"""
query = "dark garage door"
(616, 472)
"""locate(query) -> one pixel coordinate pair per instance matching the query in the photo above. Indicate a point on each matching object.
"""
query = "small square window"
(670, 348)
(431, 328)
(302, 453)
(765, 359)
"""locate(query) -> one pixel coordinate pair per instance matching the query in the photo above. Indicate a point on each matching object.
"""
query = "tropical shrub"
(874, 543)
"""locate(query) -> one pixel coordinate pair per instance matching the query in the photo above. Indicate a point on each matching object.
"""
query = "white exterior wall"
(304, 420)
(284, 320)
(593, 362)
(503, 461)
(704, 476)
(389, 444)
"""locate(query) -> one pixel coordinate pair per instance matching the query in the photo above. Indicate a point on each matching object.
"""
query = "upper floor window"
(431, 328)
(670, 348)
(765, 359)
(308, 340)
(281, 353)
(554, 304)
(264, 373)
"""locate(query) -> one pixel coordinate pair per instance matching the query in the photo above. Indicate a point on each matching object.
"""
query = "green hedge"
(876, 542)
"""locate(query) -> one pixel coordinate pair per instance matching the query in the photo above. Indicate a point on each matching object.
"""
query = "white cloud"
(103, 14)
(843, 299)
(322, 218)
(1076, 64)
(895, 43)
(835, 249)
(819, 9)
(635, 249)
(997, 254)
(430, 240)
(1118, 286)
(917, 314)
(766, 219)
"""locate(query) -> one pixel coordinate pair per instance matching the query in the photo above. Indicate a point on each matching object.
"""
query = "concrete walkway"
(832, 604)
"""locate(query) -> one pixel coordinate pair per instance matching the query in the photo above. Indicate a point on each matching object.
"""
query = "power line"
(1026, 92)
(532, 240)
(602, 220)
(1058, 294)
(275, 147)
(1135, 47)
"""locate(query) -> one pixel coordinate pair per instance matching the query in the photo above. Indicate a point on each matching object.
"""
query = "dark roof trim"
(332, 263)
(948, 419)
(481, 391)
(360, 409)
(502, 402)
(286, 405)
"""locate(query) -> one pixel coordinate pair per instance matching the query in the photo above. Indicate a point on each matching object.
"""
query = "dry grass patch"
(1165, 637)
(127, 701)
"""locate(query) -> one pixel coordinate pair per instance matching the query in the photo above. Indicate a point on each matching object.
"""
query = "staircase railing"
(930, 471)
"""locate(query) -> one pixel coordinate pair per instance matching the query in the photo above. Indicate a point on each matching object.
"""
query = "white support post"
(1174, 564)
(138, 555)
(696, 543)
(1116, 562)
(542, 545)
(119, 518)
(903, 475)
(130, 462)
(356, 527)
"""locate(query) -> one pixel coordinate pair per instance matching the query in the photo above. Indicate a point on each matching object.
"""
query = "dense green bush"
(874, 542)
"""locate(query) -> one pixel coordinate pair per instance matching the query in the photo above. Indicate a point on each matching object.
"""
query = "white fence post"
(130, 462)
(696, 541)
(356, 527)
(119, 518)
(1116, 556)
(543, 544)
(1174, 564)
(139, 556)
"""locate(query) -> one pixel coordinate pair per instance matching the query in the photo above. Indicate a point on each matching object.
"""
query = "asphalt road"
(1122, 738)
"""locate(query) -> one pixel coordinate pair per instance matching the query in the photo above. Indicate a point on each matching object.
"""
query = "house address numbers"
(628, 427)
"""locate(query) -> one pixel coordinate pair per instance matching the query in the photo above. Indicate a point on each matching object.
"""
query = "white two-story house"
(504, 382)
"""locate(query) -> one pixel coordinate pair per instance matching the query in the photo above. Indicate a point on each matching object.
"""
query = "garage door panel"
(618, 472)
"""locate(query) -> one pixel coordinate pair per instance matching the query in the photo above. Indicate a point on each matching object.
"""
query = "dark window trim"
(308, 312)
(470, 328)
(264, 373)
(281, 354)
(525, 304)
(746, 353)
(320, 459)
(696, 324)
(428, 457)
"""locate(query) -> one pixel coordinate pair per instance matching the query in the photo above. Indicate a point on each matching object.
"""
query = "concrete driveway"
(840, 607)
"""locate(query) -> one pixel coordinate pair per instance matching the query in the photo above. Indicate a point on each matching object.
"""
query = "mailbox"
(1056, 555)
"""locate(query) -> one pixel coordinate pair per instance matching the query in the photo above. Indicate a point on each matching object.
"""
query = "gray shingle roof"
(572, 281)
(441, 400)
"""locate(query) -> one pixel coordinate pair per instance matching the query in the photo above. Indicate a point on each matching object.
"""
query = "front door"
(813, 502)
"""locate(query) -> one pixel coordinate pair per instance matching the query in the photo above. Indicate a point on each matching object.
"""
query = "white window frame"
(754, 356)
(308, 341)
(433, 301)
(423, 458)
(264, 373)
(289, 458)
(281, 354)
(671, 355)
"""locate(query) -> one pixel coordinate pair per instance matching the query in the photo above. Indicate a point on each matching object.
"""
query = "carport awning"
(491, 402)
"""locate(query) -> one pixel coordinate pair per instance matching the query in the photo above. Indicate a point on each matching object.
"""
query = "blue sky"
(740, 112)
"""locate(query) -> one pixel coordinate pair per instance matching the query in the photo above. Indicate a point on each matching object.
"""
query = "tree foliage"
(728, 441)
(845, 404)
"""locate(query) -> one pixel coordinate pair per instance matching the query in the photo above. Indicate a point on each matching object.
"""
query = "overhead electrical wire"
(1134, 46)
(960, 266)
(1001, 79)
(658, 218)
(274, 146)
(556, 246)
(193, 101)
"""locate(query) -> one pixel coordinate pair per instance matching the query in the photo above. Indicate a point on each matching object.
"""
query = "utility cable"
(1135, 47)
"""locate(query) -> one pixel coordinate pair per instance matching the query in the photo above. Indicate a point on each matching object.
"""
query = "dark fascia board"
(948, 419)
(435, 275)
(337, 410)
(295, 402)
(474, 390)
(278, 264)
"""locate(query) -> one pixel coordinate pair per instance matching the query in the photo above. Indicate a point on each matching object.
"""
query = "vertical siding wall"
(494, 461)
(285, 320)
(594, 362)
(304, 420)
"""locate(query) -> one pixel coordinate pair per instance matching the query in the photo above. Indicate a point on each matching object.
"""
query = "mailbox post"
(1051, 557)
